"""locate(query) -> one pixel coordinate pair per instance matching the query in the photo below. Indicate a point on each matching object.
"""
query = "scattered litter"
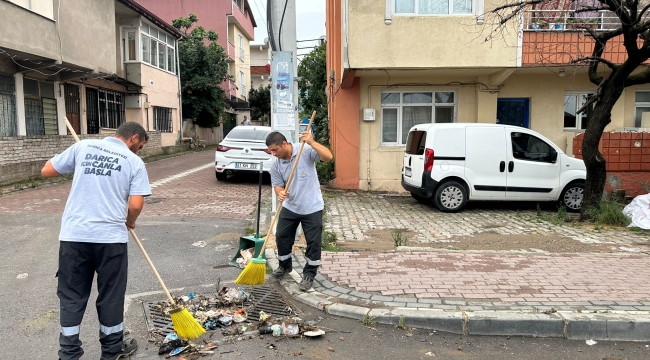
(240, 316)
(429, 354)
(342, 338)
(289, 329)
(277, 330)
(265, 330)
(297, 353)
(170, 337)
(263, 316)
(167, 347)
(178, 351)
(22, 276)
(591, 342)
(330, 349)
(314, 333)
(199, 244)
(639, 212)
(246, 256)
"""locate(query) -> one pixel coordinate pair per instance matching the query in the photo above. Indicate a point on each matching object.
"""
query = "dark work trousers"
(78, 263)
(285, 235)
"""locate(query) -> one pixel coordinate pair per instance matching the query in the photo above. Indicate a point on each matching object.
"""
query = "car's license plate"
(245, 166)
(407, 171)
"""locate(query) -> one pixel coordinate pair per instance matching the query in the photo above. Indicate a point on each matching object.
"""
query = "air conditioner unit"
(368, 114)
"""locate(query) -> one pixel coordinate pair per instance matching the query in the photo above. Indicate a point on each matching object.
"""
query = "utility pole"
(282, 40)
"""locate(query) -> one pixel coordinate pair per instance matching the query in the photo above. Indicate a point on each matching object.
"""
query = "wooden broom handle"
(74, 134)
(135, 237)
(153, 268)
(293, 169)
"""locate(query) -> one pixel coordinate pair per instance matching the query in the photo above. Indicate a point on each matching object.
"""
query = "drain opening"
(263, 298)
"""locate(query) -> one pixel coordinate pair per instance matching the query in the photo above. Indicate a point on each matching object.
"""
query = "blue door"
(513, 112)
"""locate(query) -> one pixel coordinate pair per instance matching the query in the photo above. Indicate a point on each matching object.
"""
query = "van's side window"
(416, 143)
(531, 148)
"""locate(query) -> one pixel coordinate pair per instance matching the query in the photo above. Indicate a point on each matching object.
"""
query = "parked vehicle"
(242, 150)
(451, 164)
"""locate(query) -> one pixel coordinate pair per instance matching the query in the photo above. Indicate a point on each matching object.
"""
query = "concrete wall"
(23, 157)
(424, 41)
(165, 93)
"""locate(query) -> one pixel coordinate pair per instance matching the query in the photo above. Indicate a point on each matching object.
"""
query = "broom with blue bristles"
(255, 272)
(184, 323)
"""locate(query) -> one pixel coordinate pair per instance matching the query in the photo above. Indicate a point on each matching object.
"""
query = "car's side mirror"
(553, 156)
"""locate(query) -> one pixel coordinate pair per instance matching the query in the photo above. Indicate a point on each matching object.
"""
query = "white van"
(453, 163)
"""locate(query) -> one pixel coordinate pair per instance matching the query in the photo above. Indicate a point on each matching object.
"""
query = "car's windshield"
(248, 134)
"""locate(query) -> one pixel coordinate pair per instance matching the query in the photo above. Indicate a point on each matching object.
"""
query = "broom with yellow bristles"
(184, 323)
(255, 272)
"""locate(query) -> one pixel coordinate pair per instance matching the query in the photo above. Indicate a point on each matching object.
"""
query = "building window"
(40, 108)
(241, 48)
(243, 84)
(158, 48)
(642, 109)
(7, 106)
(572, 103)
(239, 3)
(402, 110)
(129, 46)
(434, 7)
(111, 109)
(162, 119)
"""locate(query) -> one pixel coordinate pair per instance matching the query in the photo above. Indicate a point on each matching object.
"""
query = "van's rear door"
(485, 163)
(414, 157)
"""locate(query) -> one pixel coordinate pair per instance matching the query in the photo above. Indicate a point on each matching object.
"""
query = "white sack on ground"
(639, 212)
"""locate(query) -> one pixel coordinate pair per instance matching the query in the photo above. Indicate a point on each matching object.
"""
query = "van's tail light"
(428, 159)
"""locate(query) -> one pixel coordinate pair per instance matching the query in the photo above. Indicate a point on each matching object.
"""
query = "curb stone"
(573, 325)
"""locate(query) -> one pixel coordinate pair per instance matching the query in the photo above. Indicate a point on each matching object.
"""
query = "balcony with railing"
(560, 37)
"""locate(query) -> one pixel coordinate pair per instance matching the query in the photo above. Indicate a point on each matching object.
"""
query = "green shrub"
(325, 172)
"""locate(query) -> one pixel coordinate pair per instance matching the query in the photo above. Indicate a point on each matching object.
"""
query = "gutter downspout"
(180, 96)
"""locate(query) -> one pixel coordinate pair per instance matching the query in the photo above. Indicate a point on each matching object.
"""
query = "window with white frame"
(574, 101)
(157, 48)
(243, 84)
(642, 108)
(402, 110)
(129, 49)
(434, 7)
(241, 48)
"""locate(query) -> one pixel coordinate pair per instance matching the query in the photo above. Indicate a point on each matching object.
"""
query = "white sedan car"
(242, 150)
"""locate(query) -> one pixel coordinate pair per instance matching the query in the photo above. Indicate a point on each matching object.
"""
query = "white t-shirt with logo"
(106, 173)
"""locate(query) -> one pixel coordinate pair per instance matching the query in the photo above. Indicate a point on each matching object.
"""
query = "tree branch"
(638, 79)
(589, 59)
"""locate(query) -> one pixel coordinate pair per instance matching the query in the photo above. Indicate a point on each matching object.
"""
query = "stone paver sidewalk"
(564, 281)
(351, 215)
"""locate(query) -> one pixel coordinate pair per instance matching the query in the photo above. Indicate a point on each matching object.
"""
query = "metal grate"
(7, 106)
(264, 298)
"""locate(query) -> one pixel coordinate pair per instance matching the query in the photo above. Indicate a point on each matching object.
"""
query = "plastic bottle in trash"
(265, 330)
(277, 330)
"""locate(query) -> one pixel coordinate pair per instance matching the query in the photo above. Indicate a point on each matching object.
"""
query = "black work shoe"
(129, 346)
(306, 283)
(280, 272)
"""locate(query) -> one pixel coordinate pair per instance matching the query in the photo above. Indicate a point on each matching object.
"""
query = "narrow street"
(189, 206)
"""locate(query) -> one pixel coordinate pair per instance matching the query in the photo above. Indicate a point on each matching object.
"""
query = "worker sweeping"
(303, 204)
(107, 196)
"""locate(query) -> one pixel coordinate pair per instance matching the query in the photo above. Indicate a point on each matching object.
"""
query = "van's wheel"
(420, 199)
(451, 196)
(571, 197)
(221, 176)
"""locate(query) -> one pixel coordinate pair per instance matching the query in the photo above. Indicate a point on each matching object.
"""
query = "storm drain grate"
(264, 298)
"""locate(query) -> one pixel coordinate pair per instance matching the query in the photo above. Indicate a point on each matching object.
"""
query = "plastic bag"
(639, 212)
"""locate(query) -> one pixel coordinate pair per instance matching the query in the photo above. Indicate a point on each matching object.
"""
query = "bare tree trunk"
(594, 160)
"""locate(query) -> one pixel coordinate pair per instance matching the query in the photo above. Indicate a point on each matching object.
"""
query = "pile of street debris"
(228, 312)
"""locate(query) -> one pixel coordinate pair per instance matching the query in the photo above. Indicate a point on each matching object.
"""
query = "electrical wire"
(281, 21)
(269, 24)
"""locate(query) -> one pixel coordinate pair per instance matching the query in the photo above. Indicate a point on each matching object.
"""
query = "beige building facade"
(98, 63)
(393, 64)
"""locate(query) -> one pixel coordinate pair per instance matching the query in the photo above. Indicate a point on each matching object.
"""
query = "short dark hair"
(275, 138)
(128, 129)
